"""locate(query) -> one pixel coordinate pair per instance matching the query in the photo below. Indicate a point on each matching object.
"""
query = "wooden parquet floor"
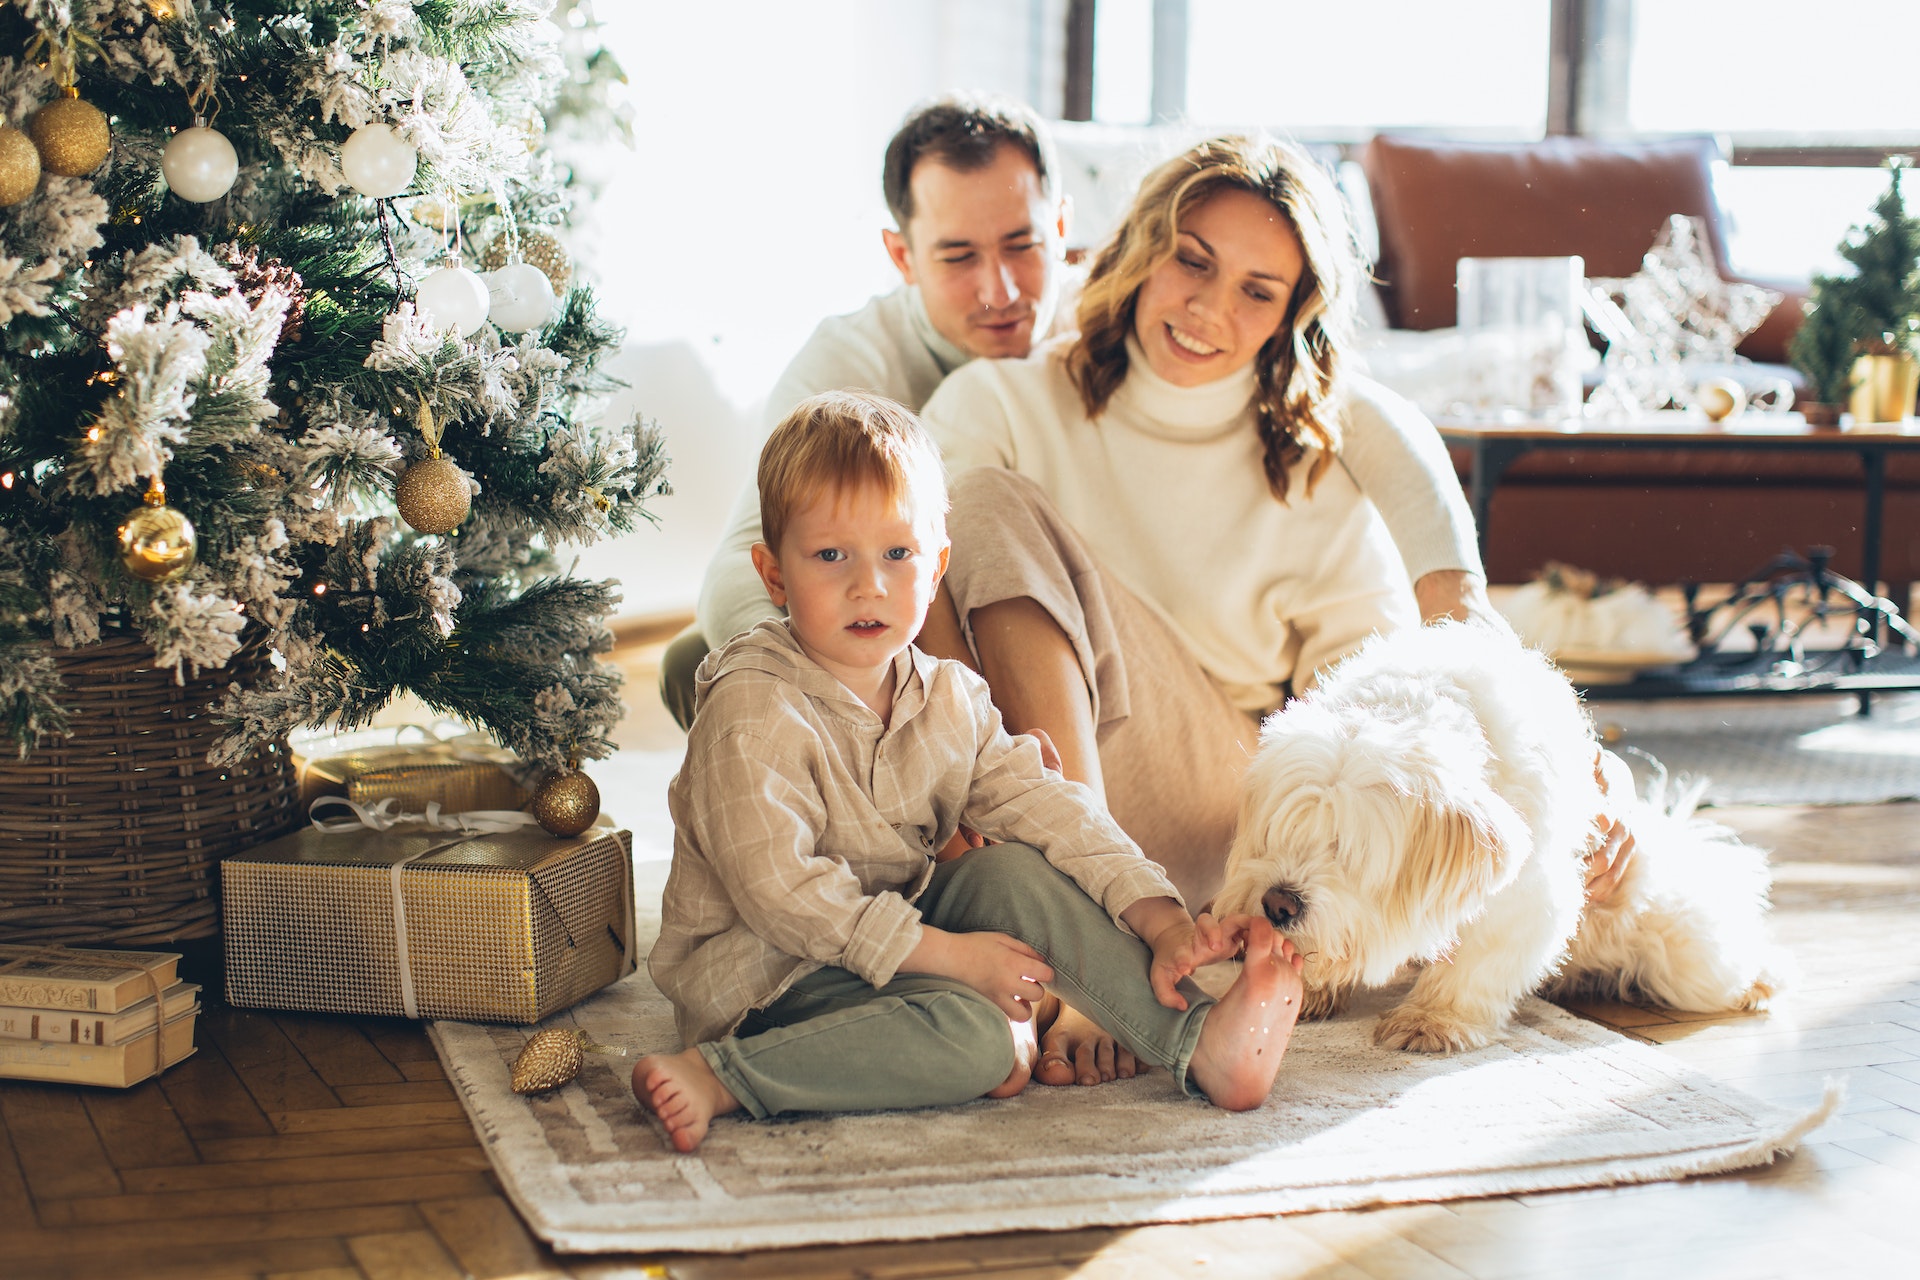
(333, 1147)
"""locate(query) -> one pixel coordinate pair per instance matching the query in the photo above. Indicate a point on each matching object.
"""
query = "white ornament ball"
(377, 162)
(200, 164)
(453, 298)
(522, 297)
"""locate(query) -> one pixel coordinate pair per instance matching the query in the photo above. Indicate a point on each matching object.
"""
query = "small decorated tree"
(254, 395)
(1875, 309)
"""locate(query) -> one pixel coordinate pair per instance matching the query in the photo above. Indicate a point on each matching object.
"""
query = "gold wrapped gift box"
(493, 928)
(461, 774)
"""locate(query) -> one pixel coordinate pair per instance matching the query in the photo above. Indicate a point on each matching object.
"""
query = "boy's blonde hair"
(1299, 368)
(838, 440)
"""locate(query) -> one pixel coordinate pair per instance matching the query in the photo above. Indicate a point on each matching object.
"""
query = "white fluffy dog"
(1433, 800)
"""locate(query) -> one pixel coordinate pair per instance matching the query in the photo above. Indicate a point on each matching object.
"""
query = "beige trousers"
(1172, 746)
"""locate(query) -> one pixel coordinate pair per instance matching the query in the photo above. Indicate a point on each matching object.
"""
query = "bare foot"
(1074, 1050)
(1246, 1033)
(683, 1094)
(1026, 1048)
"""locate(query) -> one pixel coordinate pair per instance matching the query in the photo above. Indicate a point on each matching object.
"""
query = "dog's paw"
(1423, 1031)
(1317, 1003)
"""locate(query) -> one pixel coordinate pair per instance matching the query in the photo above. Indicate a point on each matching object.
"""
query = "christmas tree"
(1875, 309)
(254, 394)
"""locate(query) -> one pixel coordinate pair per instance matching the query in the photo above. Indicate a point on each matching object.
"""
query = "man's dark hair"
(962, 133)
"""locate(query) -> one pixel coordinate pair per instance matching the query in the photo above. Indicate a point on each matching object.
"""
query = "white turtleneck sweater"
(890, 346)
(1167, 488)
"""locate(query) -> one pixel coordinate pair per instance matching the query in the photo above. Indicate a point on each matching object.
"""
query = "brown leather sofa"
(1660, 517)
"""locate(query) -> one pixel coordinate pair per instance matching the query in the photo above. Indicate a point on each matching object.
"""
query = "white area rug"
(1559, 1103)
(1776, 750)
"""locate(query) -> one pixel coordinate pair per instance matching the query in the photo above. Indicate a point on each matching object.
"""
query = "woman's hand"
(1456, 594)
(1003, 969)
(1613, 854)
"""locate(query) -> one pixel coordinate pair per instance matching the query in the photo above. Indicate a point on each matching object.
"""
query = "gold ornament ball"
(19, 166)
(435, 212)
(157, 544)
(72, 136)
(566, 803)
(537, 249)
(550, 1059)
(1721, 398)
(433, 496)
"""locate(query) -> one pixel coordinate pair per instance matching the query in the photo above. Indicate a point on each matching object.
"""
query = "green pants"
(834, 1042)
(682, 658)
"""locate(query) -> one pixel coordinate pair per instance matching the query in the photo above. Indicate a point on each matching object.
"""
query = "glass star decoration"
(1675, 312)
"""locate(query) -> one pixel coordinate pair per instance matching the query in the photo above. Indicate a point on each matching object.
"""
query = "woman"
(1154, 538)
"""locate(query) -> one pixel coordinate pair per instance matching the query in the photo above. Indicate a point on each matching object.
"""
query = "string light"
(6, 481)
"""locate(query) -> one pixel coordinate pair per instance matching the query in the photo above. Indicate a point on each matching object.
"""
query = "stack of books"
(82, 1016)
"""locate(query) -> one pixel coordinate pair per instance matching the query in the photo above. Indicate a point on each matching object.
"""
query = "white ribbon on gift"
(383, 816)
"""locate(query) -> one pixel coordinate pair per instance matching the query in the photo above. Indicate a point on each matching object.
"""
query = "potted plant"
(1857, 346)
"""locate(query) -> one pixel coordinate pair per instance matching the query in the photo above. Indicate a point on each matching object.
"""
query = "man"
(979, 241)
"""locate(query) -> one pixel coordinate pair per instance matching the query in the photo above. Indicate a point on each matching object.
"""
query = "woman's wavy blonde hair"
(1298, 368)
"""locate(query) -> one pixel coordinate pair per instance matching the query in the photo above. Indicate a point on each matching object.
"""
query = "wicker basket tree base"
(114, 836)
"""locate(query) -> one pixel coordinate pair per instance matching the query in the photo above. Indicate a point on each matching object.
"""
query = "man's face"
(984, 247)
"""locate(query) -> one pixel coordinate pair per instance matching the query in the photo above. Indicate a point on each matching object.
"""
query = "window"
(1843, 67)
(1309, 67)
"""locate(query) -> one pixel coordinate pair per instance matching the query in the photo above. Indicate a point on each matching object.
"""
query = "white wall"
(750, 207)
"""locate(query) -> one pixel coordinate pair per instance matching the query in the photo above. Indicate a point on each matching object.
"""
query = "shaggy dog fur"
(1434, 800)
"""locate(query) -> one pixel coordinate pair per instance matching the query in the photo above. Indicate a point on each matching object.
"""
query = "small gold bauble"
(566, 803)
(537, 249)
(432, 495)
(1721, 398)
(19, 166)
(157, 543)
(72, 135)
(434, 211)
(550, 1059)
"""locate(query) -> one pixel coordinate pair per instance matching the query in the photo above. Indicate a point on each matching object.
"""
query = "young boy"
(816, 956)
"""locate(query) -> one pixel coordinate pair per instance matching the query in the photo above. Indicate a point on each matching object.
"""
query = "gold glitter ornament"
(435, 212)
(537, 249)
(432, 495)
(72, 135)
(553, 1057)
(566, 802)
(157, 543)
(550, 1059)
(19, 166)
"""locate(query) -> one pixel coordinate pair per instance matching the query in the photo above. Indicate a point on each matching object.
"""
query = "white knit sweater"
(891, 347)
(1167, 488)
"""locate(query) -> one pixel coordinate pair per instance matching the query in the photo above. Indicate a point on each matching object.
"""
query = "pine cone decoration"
(550, 1059)
(255, 276)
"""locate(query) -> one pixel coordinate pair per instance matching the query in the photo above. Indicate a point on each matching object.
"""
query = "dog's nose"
(1283, 906)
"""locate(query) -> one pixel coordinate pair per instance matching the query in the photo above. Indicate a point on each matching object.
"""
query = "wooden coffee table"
(1492, 447)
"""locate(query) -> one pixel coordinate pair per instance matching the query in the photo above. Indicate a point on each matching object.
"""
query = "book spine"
(115, 1066)
(58, 1026)
(36, 992)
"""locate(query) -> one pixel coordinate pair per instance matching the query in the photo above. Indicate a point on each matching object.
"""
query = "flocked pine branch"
(261, 354)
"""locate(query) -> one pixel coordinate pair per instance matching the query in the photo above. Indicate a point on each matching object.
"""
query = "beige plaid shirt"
(804, 829)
